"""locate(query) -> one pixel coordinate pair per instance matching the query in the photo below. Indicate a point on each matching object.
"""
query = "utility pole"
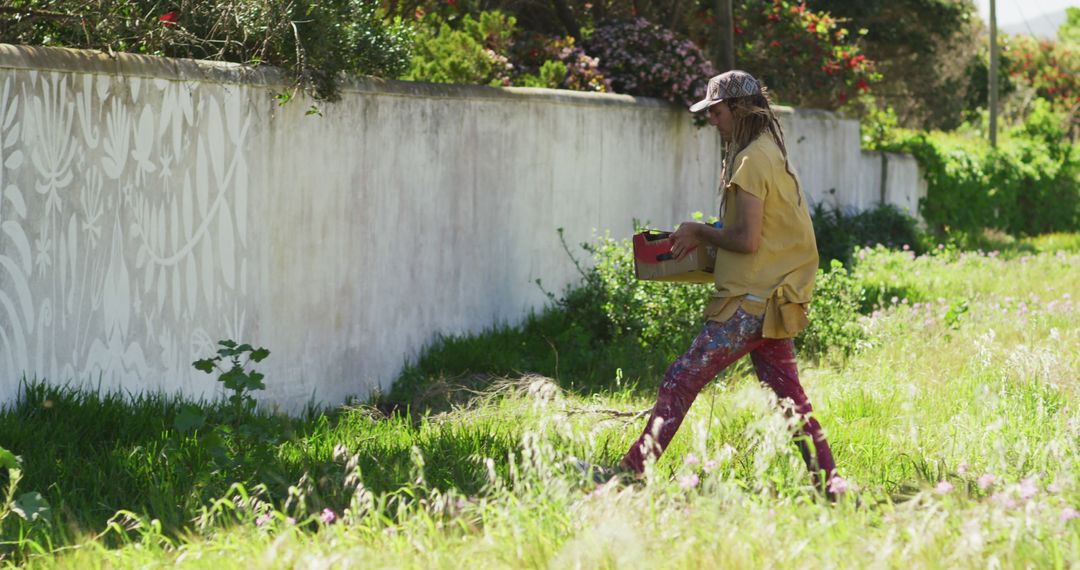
(993, 74)
(725, 46)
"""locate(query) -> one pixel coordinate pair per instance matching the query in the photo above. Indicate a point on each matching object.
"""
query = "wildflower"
(985, 481)
(1068, 514)
(838, 485)
(943, 488)
(1054, 487)
(1004, 500)
(691, 459)
(710, 466)
(1028, 489)
(689, 481)
(962, 468)
(262, 519)
(328, 516)
(290, 521)
(169, 18)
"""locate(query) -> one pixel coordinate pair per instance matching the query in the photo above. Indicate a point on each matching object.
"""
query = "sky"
(1016, 11)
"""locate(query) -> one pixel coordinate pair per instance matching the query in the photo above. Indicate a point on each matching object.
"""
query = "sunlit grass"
(956, 426)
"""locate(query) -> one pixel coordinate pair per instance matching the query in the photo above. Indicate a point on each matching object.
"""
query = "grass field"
(955, 425)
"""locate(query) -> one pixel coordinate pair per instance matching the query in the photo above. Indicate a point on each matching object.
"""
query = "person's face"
(720, 117)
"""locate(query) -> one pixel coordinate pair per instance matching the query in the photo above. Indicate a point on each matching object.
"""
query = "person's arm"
(742, 236)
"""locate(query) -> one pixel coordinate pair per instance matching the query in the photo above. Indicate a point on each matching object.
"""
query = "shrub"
(838, 234)
(313, 40)
(612, 302)
(806, 57)
(557, 63)
(1027, 185)
(1051, 68)
(834, 329)
(925, 51)
(642, 58)
(473, 52)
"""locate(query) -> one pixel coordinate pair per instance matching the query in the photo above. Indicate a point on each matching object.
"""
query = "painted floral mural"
(122, 229)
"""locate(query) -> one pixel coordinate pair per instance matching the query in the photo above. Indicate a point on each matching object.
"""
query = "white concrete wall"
(151, 207)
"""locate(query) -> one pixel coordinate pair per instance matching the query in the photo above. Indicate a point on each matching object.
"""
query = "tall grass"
(955, 425)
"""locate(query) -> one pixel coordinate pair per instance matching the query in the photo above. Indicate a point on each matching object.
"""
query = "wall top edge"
(136, 65)
(176, 69)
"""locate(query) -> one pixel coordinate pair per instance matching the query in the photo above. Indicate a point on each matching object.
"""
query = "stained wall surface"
(150, 207)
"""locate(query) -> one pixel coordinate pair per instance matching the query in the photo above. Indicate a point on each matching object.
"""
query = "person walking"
(766, 262)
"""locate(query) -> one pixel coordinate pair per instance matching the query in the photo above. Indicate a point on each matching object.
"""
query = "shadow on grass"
(550, 344)
(93, 453)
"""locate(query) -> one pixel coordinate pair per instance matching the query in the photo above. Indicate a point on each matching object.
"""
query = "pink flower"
(1068, 514)
(963, 467)
(328, 516)
(262, 519)
(985, 481)
(943, 488)
(838, 485)
(689, 481)
(1028, 489)
(290, 521)
(710, 466)
(1003, 500)
(691, 459)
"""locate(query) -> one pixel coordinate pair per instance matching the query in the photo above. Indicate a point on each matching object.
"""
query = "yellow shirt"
(777, 280)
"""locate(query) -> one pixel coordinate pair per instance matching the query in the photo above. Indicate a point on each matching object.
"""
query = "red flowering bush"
(642, 58)
(1051, 68)
(805, 57)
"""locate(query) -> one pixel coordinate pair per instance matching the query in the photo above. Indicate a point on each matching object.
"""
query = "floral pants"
(715, 348)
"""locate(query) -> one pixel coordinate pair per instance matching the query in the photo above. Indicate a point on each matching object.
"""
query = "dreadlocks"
(752, 115)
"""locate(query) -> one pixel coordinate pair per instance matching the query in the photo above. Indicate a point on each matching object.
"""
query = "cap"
(734, 83)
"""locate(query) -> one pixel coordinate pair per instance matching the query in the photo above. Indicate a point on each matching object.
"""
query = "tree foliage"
(925, 51)
(314, 39)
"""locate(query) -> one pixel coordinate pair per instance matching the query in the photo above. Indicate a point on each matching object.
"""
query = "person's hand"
(685, 239)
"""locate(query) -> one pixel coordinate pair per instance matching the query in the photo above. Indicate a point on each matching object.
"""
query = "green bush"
(313, 40)
(612, 303)
(834, 312)
(473, 51)
(838, 234)
(1027, 185)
